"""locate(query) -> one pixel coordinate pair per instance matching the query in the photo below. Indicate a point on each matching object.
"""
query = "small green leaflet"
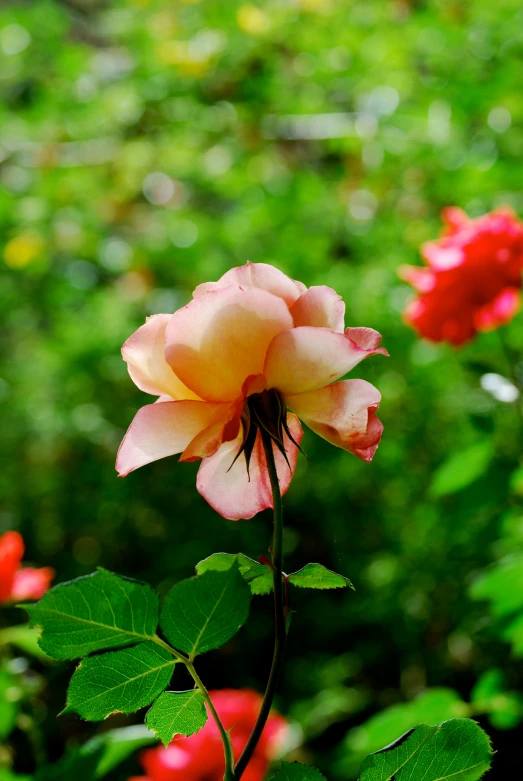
(119, 681)
(258, 576)
(94, 613)
(203, 613)
(457, 749)
(177, 713)
(318, 576)
(296, 772)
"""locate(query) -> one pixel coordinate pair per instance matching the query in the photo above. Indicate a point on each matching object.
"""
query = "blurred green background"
(149, 145)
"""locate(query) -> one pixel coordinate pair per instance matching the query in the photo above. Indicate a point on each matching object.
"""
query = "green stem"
(279, 615)
(227, 745)
(226, 740)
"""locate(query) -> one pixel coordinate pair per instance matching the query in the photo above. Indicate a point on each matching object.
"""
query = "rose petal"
(367, 339)
(144, 353)
(228, 489)
(422, 279)
(259, 275)
(344, 414)
(321, 307)
(164, 429)
(11, 553)
(31, 583)
(220, 338)
(308, 358)
(499, 311)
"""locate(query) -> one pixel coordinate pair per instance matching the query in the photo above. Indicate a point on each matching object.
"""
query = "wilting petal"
(321, 307)
(144, 353)
(344, 414)
(31, 583)
(366, 339)
(498, 312)
(207, 442)
(229, 490)
(219, 339)
(164, 429)
(11, 553)
(307, 358)
(260, 275)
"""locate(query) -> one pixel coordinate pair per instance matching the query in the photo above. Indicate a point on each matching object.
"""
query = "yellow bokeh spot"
(253, 20)
(181, 54)
(22, 250)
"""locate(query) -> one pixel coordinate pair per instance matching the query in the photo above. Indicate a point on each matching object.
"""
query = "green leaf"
(118, 744)
(462, 469)
(258, 576)
(10, 694)
(94, 613)
(24, 638)
(119, 681)
(457, 749)
(296, 772)
(177, 713)
(203, 613)
(318, 576)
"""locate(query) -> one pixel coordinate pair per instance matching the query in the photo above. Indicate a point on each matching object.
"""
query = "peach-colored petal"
(31, 583)
(499, 311)
(260, 275)
(366, 339)
(215, 342)
(144, 353)
(344, 414)
(320, 306)
(207, 442)
(228, 489)
(308, 358)
(163, 429)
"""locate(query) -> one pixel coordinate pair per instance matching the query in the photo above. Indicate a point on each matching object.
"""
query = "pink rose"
(245, 351)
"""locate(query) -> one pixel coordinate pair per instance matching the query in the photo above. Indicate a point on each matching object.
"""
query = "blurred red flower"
(473, 277)
(16, 583)
(200, 756)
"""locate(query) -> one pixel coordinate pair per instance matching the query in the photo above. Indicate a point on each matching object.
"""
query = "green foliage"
(502, 585)
(177, 713)
(318, 576)
(462, 469)
(457, 750)
(8, 702)
(258, 576)
(94, 613)
(119, 681)
(296, 772)
(204, 612)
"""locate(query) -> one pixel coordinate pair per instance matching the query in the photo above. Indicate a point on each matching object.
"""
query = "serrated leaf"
(294, 771)
(94, 613)
(119, 681)
(462, 469)
(177, 713)
(258, 576)
(203, 613)
(457, 749)
(318, 576)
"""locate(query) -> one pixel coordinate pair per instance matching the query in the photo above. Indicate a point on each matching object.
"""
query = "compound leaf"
(177, 713)
(119, 681)
(94, 613)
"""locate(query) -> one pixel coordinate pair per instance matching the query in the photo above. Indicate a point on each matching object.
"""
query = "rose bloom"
(245, 351)
(16, 583)
(473, 278)
(200, 756)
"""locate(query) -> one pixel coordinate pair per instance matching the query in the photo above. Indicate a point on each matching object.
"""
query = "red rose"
(473, 277)
(200, 756)
(17, 583)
